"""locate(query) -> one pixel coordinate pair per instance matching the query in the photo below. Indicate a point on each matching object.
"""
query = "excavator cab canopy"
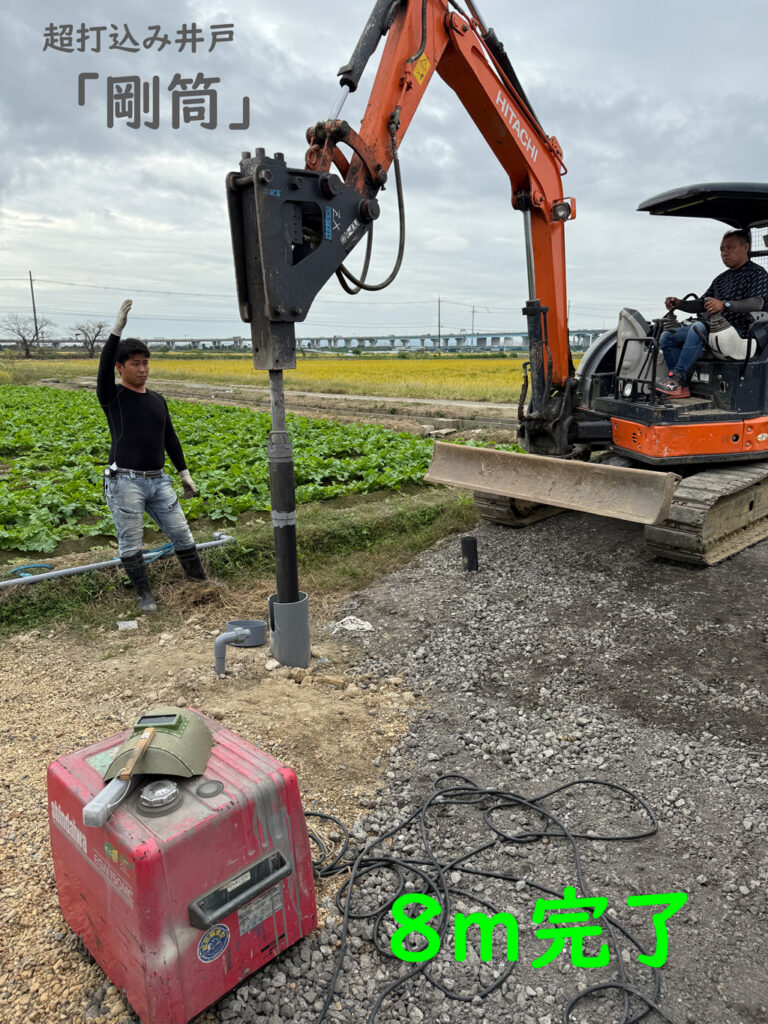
(739, 204)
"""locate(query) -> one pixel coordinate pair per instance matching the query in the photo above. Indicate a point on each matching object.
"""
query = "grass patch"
(343, 545)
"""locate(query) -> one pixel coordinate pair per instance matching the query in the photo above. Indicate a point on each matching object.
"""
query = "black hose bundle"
(434, 875)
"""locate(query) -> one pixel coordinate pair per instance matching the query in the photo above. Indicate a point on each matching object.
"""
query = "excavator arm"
(292, 229)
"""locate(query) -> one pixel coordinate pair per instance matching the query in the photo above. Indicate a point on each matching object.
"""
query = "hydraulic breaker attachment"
(291, 230)
(637, 495)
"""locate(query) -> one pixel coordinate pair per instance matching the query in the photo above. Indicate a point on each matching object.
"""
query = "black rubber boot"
(191, 564)
(137, 573)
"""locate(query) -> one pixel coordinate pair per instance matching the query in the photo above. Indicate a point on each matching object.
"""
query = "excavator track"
(714, 514)
(511, 511)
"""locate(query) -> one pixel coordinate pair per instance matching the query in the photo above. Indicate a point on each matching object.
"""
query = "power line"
(122, 289)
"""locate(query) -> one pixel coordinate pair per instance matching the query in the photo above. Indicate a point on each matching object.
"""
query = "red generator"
(192, 884)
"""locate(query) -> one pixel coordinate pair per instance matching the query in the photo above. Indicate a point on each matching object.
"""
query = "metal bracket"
(291, 230)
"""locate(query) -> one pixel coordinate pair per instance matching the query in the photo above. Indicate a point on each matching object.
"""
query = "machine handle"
(219, 903)
(141, 745)
(97, 811)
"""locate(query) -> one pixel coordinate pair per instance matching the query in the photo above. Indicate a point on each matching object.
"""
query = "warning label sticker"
(257, 911)
(421, 70)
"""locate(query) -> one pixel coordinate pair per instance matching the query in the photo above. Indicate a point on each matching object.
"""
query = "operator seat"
(738, 385)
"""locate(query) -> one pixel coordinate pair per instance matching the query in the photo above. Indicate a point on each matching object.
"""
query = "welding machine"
(190, 884)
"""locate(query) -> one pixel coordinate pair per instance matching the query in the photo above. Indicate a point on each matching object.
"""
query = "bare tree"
(22, 330)
(89, 333)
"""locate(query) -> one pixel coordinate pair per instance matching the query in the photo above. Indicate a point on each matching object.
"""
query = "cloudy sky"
(642, 97)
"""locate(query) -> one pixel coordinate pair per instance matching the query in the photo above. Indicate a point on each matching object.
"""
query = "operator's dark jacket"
(749, 281)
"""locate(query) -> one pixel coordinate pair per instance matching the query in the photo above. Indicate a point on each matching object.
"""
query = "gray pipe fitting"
(289, 631)
(240, 633)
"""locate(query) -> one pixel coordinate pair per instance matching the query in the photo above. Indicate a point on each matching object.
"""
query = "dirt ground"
(689, 728)
(661, 667)
(61, 694)
(400, 414)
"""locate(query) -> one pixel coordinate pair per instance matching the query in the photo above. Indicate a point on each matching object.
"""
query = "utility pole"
(34, 311)
(439, 335)
(474, 339)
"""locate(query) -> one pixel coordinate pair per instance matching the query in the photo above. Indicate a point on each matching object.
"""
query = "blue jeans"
(682, 347)
(129, 497)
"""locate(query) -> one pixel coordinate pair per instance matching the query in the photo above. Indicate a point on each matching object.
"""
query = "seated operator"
(741, 290)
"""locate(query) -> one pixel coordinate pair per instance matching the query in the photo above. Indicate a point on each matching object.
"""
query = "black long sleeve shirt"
(139, 423)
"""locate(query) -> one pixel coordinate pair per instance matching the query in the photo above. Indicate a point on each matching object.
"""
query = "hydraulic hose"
(423, 44)
(343, 275)
(363, 274)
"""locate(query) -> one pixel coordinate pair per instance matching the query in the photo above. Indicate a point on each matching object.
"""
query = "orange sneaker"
(674, 387)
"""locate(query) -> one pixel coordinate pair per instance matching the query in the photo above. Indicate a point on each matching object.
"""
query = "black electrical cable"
(452, 790)
(321, 869)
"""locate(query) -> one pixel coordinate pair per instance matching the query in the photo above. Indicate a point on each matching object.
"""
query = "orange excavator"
(600, 440)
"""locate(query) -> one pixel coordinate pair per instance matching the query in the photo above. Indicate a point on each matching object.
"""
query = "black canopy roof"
(740, 204)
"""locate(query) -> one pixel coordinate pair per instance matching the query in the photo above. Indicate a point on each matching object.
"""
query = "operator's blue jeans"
(129, 497)
(682, 347)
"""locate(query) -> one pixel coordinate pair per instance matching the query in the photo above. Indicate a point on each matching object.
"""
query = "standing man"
(741, 290)
(135, 481)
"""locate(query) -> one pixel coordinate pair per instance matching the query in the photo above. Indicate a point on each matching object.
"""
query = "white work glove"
(187, 483)
(122, 317)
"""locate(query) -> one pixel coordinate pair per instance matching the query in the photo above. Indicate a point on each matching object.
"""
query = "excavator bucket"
(637, 495)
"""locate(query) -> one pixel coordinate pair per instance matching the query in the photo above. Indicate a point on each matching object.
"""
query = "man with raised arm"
(135, 481)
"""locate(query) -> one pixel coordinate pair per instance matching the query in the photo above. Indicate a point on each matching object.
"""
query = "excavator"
(601, 439)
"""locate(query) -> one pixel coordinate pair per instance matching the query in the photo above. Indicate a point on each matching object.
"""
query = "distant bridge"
(506, 342)
(349, 343)
(514, 341)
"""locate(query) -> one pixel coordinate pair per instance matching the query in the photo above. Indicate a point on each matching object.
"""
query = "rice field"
(446, 377)
(491, 380)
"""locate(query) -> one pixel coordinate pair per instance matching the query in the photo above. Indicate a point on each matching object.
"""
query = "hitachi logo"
(510, 115)
(67, 825)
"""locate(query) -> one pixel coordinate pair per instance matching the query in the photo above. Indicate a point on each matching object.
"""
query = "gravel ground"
(570, 655)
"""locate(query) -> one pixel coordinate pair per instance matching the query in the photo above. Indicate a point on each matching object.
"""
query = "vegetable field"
(54, 446)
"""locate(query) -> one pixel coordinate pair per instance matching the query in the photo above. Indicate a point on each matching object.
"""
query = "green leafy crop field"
(54, 447)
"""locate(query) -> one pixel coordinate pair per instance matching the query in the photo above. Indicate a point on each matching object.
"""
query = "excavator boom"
(293, 228)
